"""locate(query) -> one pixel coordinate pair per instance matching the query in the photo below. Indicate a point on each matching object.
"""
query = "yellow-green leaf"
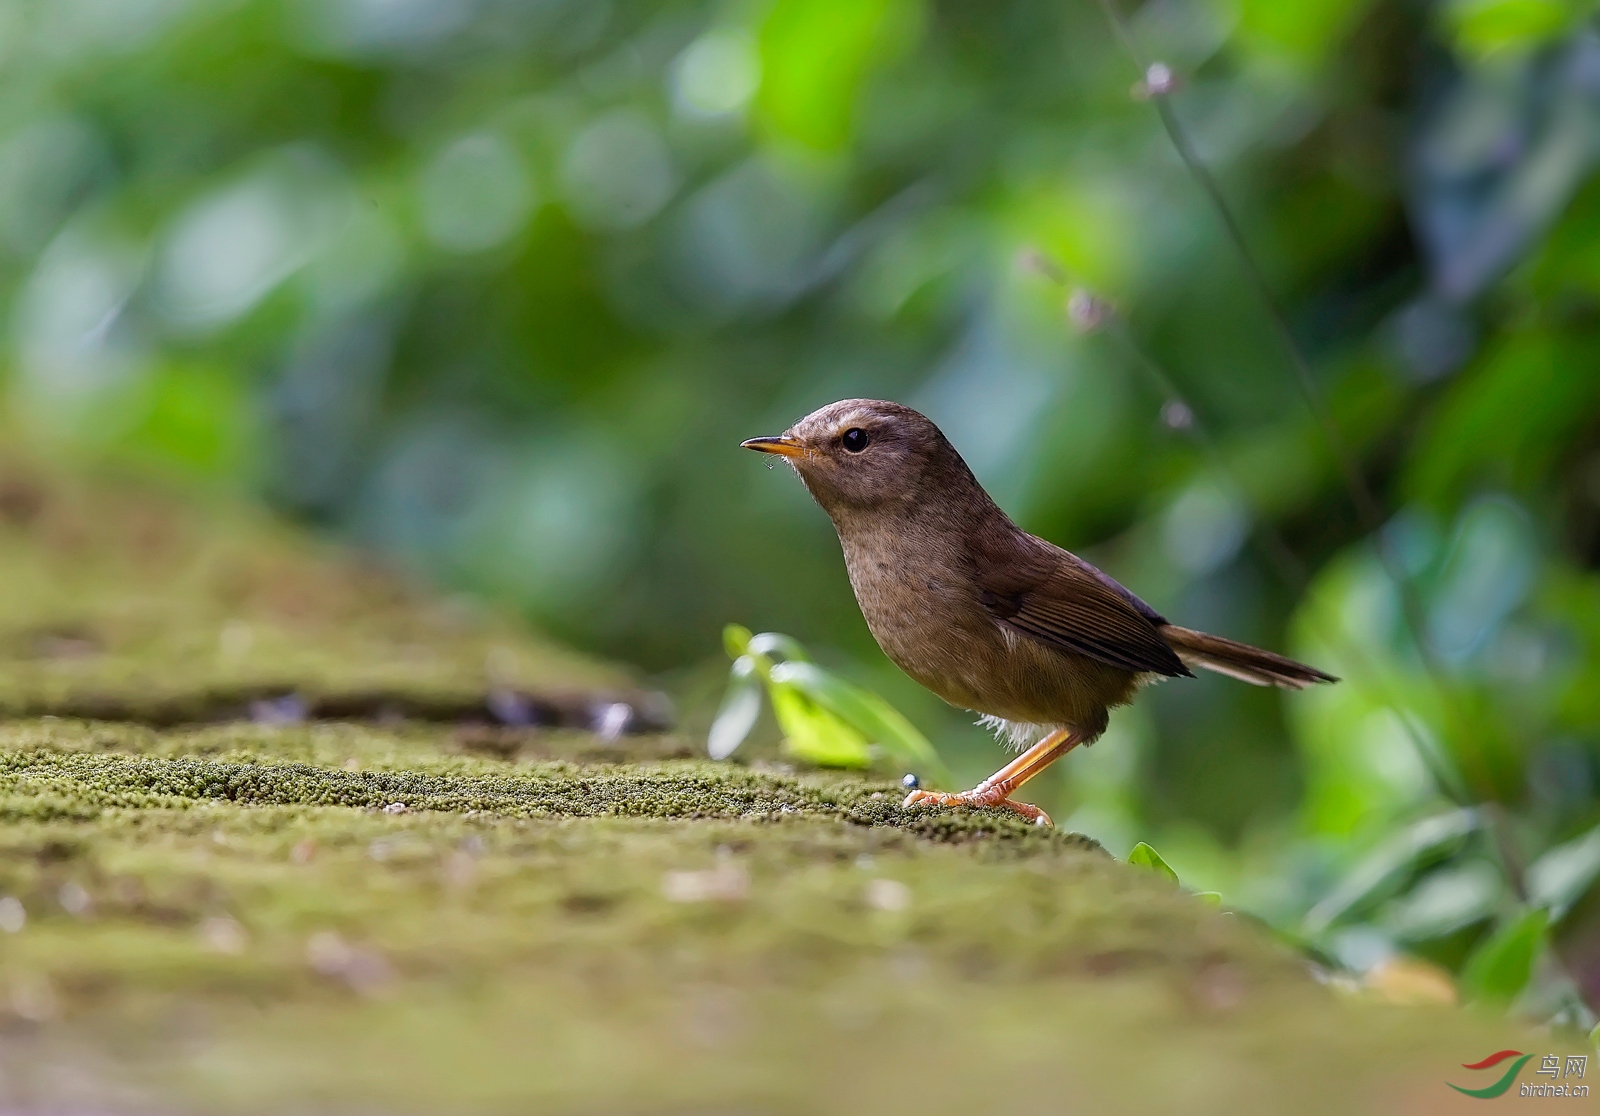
(812, 733)
(866, 712)
(1502, 965)
(736, 639)
(1146, 857)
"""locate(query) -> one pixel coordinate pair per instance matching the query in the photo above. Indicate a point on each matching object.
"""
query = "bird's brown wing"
(1052, 596)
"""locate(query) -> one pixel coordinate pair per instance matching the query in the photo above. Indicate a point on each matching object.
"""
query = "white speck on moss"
(224, 935)
(75, 900)
(364, 970)
(727, 882)
(888, 895)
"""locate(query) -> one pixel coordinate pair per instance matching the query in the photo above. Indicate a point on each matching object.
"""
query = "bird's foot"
(978, 796)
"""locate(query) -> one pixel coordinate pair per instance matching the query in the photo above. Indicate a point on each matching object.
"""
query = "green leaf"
(816, 55)
(1562, 876)
(1461, 893)
(1212, 897)
(866, 712)
(1502, 965)
(736, 639)
(814, 734)
(1300, 35)
(1380, 874)
(1146, 857)
(1484, 27)
(776, 643)
(741, 707)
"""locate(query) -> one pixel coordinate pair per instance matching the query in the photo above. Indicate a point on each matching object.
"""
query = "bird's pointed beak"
(784, 446)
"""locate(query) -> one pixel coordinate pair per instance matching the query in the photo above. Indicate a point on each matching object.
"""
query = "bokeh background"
(495, 288)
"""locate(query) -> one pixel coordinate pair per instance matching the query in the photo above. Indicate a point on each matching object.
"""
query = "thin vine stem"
(1361, 495)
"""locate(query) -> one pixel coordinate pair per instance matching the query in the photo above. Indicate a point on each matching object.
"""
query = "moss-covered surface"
(54, 769)
(434, 911)
(122, 602)
(227, 918)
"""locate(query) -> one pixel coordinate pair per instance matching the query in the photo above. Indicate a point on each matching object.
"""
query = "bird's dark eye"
(855, 439)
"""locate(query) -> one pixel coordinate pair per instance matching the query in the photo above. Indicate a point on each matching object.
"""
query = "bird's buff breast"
(928, 625)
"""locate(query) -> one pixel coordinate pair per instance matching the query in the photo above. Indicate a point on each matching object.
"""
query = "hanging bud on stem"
(1087, 311)
(1158, 81)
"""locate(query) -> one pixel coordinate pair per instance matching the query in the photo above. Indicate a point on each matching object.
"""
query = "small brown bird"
(982, 613)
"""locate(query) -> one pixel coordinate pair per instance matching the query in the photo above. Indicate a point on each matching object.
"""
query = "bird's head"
(860, 454)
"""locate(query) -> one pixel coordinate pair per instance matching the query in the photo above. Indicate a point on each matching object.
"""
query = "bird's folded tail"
(1240, 660)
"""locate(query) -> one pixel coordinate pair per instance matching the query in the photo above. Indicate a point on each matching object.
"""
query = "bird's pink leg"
(998, 788)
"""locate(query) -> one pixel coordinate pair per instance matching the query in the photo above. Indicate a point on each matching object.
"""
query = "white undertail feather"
(1016, 735)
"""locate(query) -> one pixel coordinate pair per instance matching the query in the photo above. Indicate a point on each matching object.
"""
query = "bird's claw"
(978, 797)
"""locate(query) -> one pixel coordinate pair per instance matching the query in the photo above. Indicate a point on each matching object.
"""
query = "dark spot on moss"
(588, 903)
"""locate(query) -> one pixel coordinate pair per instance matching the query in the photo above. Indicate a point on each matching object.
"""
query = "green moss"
(71, 770)
(249, 930)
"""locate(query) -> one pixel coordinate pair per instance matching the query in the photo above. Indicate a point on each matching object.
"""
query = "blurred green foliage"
(497, 287)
